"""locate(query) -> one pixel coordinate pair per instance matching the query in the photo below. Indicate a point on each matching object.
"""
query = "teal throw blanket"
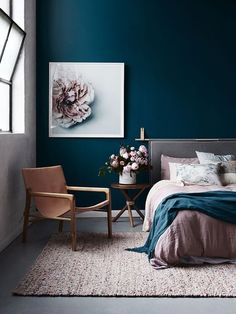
(218, 204)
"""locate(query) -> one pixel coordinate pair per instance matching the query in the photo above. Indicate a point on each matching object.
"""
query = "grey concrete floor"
(17, 258)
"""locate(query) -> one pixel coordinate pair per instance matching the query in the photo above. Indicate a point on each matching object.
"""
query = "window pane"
(4, 28)
(5, 6)
(11, 52)
(4, 107)
(18, 12)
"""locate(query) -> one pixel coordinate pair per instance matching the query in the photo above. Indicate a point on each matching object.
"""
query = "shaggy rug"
(102, 267)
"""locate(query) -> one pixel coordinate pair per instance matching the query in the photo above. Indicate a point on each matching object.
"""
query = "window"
(11, 42)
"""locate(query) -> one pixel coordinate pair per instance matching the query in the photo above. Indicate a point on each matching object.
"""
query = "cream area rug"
(102, 267)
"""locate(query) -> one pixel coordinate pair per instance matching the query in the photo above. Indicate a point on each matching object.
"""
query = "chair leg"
(25, 226)
(60, 226)
(73, 233)
(26, 217)
(109, 220)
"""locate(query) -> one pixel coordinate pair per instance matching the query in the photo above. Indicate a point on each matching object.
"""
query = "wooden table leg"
(139, 212)
(129, 204)
(131, 194)
(130, 201)
(120, 213)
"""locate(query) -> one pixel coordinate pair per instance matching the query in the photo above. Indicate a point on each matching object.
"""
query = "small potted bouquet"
(127, 163)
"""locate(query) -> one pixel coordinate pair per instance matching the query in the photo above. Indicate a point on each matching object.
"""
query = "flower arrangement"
(129, 160)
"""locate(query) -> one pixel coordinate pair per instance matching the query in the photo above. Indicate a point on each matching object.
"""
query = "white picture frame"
(86, 99)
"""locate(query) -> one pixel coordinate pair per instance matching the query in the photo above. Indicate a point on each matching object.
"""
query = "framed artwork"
(86, 99)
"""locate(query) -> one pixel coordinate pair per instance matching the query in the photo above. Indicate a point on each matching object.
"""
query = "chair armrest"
(90, 189)
(69, 197)
(87, 189)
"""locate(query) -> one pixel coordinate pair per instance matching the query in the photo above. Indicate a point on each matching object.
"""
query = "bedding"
(204, 174)
(205, 157)
(228, 172)
(165, 160)
(227, 166)
(192, 235)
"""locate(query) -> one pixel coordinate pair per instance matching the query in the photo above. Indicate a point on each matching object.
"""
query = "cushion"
(165, 160)
(228, 172)
(202, 174)
(204, 158)
(173, 167)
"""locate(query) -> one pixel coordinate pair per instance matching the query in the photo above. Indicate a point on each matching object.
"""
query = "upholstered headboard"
(184, 148)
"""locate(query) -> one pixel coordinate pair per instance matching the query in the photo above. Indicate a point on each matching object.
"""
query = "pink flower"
(125, 155)
(122, 150)
(134, 166)
(128, 160)
(133, 153)
(143, 161)
(71, 101)
(139, 160)
(114, 164)
(127, 168)
(142, 149)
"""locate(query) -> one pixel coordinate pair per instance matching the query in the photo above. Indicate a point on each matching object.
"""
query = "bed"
(193, 237)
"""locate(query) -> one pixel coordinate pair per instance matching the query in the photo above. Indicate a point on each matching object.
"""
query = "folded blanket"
(217, 204)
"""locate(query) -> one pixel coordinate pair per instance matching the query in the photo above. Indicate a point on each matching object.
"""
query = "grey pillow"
(228, 172)
(205, 158)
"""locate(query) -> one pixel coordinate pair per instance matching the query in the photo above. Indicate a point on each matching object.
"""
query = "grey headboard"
(184, 148)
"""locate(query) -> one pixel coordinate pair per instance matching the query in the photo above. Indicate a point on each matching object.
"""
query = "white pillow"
(202, 174)
(172, 167)
(205, 158)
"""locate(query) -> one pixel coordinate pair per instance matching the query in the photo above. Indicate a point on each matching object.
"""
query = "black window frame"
(3, 80)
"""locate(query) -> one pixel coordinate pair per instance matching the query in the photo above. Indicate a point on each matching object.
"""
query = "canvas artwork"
(86, 99)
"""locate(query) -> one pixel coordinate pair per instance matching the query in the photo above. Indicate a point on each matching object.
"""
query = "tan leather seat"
(47, 187)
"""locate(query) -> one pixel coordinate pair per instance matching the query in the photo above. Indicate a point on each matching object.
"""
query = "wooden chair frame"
(73, 212)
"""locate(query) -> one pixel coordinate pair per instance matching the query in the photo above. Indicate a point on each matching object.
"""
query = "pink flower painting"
(86, 99)
(72, 100)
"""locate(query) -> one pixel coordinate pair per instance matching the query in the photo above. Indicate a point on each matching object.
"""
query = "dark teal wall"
(179, 71)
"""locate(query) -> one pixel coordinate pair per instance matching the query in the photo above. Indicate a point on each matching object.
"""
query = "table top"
(130, 186)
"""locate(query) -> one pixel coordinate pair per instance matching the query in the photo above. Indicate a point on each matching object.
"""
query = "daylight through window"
(11, 42)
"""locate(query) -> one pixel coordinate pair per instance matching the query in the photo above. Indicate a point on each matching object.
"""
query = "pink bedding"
(192, 234)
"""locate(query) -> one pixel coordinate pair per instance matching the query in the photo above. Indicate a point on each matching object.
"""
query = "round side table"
(130, 199)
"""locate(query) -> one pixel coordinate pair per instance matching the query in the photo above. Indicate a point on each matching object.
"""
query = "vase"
(127, 178)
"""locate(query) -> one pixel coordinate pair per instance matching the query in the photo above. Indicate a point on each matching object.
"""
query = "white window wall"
(12, 113)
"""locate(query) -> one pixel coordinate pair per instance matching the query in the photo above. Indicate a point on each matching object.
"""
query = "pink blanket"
(192, 234)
